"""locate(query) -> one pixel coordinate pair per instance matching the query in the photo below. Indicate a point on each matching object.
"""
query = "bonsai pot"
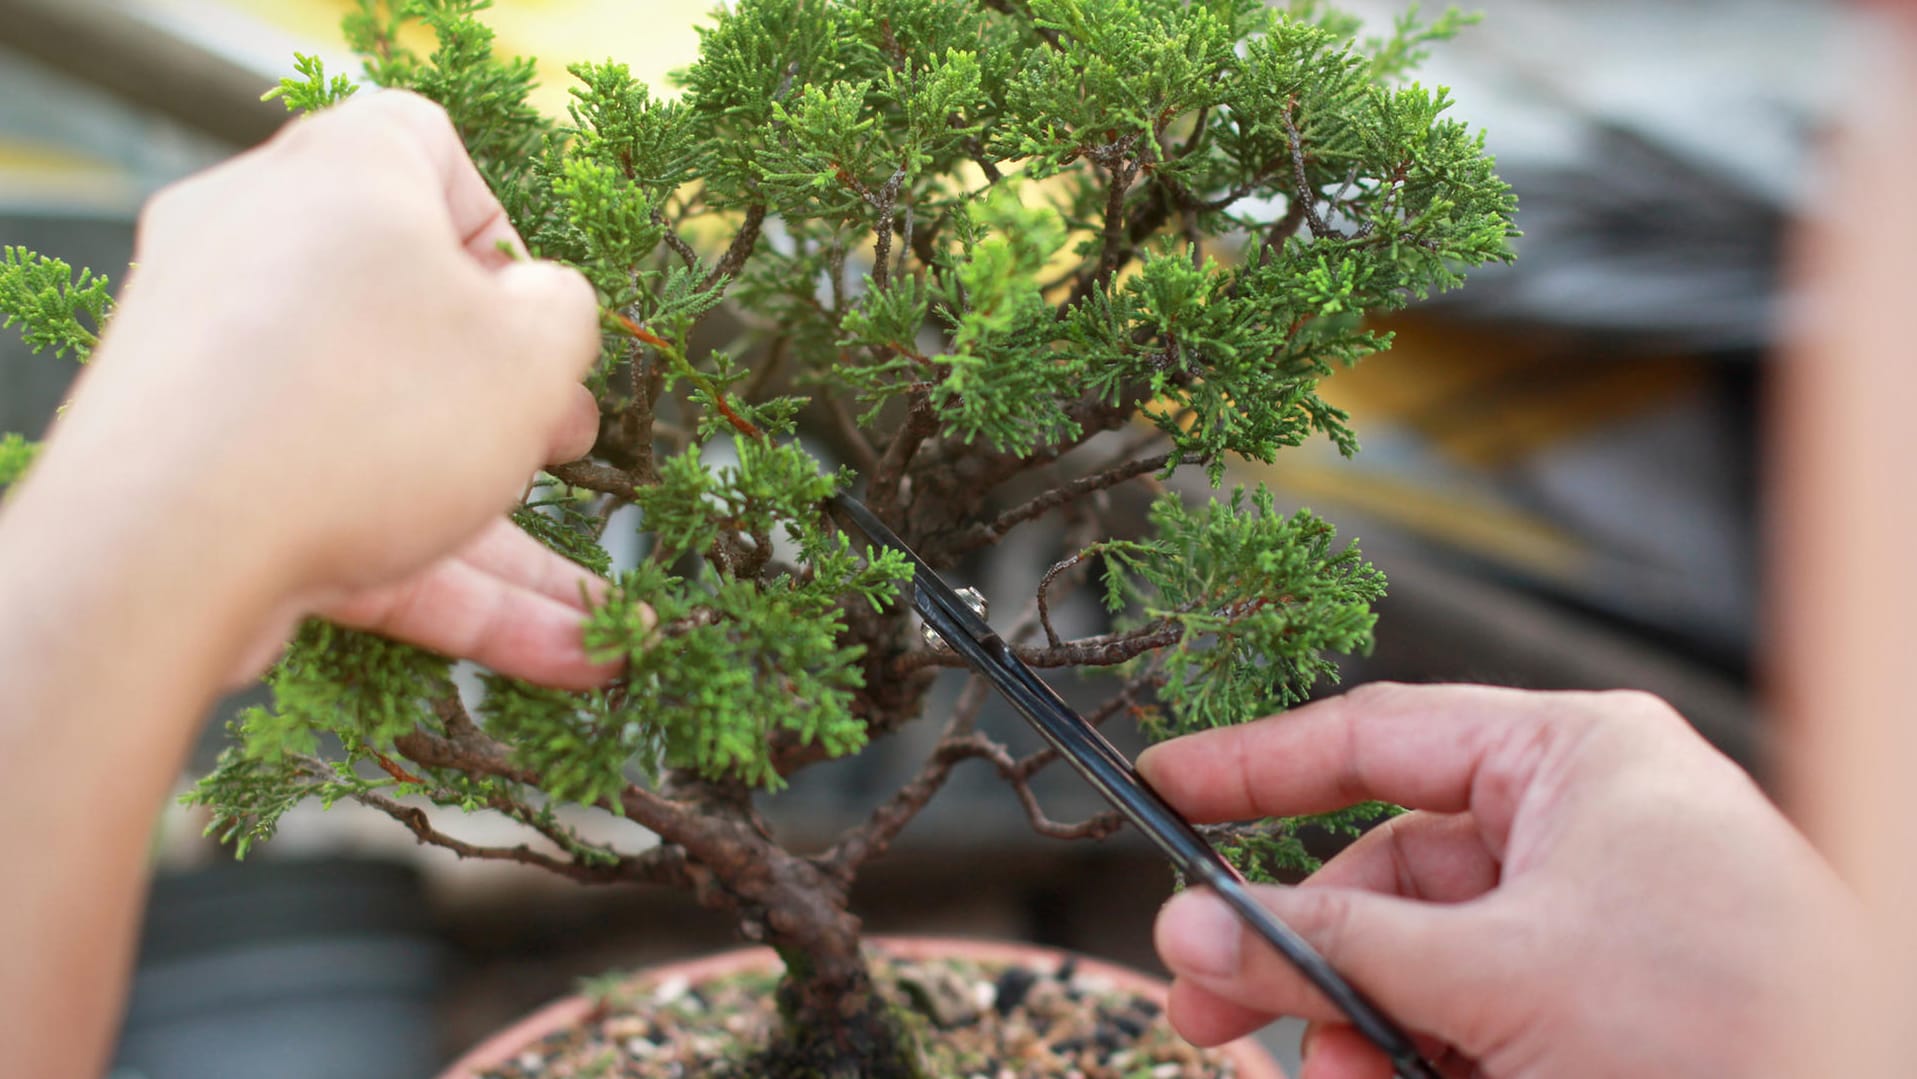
(517, 1042)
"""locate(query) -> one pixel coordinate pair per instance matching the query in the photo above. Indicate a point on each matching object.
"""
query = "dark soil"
(972, 1020)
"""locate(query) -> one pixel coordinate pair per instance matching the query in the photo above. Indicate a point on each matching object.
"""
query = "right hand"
(1584, 888)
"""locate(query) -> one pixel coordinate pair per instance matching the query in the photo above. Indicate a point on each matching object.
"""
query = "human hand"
(1584, 888)
(325, 359)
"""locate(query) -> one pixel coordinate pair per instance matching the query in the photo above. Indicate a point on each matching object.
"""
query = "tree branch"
(920, 422)
(985, 535)
(741, 247)
(1306, 197)
(416, 821)
(595, 477)
(660, 865)
(856, 445)
(1108, 650)
(874, 837)
(675, 241)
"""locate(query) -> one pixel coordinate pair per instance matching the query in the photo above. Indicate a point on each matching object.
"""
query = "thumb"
(1434, 968)
(553, 314)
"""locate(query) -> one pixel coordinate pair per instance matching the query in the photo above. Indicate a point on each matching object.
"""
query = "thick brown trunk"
(837, 1026)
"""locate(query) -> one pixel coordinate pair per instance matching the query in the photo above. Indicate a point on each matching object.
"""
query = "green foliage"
(1258, 600)
(720, 661)
(362, 689)
(976, 235)
(1005, 382)
(16, 456)
(563, 524)
(312, 90)
(486, 96)
(734, 661)
(1274, 851)
(248, 795)
(54, 308)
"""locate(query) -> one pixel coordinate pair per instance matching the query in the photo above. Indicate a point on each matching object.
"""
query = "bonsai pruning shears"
(1106, 769)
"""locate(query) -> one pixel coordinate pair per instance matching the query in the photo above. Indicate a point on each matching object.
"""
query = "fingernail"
(1200, 936)
(1141, 766)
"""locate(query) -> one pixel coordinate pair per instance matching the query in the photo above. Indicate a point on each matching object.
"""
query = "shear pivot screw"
(974, 599)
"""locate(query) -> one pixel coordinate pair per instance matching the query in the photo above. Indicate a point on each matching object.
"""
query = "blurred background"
(1562, 476)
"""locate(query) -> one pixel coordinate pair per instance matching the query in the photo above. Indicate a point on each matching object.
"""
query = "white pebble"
(671, 989)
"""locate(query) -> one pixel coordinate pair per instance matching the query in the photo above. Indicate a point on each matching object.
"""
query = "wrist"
(85, 527)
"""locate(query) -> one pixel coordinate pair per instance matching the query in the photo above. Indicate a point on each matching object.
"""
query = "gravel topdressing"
(975, 1020)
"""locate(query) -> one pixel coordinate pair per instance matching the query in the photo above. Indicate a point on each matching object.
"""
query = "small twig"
(864, 457)
(763, 375)
(920, 422)
(1038, 760)
(1044, 589)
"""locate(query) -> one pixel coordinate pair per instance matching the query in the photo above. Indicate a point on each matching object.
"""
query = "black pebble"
(1107, 1039)
(1128, 1024)
(1068, 969)
(1146, 1008)
(1012, 987)
(1070, 1047)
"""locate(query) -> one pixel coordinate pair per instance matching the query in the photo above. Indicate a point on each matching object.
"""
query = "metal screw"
(974, 599)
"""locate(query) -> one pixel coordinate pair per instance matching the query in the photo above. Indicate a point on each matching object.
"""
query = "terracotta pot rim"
(1252, 1060)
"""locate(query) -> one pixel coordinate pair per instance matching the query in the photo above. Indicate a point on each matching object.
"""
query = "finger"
(477, 217)
(265, 649)
(1430, 966)
(1443, 748)
(578, 428)
(1206, 1019)
(1436, 857)
(553, 314)
(502, 550)
(1337, 1051)
(458, 610)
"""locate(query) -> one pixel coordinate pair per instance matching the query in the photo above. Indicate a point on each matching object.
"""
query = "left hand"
(502, 600)
(335, 357)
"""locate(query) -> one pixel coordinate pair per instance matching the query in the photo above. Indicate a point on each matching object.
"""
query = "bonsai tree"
(984, 259)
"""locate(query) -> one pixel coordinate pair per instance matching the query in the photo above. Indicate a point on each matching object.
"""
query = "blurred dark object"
(295, 970)
(110, 46)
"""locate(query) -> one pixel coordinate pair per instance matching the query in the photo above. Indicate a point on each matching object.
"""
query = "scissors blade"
(1102, 765)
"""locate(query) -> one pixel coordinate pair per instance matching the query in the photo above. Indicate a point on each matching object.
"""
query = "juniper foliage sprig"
(16, 456)
(54, 308)
(1259, 601)
(311, 90)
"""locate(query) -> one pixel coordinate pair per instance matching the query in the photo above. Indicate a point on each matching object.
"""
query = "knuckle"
(165, 206)
(1639, 709)
(1325, 916)
(1375, 695)
(406, 106)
